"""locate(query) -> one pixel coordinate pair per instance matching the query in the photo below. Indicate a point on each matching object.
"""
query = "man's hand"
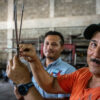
(18, 72)
(27, 51)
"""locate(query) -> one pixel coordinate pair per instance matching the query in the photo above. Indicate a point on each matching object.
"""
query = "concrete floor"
(6, 91)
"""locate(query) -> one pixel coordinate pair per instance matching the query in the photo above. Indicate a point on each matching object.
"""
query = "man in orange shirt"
(84, 84)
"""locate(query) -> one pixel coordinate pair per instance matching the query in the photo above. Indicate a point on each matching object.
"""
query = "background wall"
(70, 17)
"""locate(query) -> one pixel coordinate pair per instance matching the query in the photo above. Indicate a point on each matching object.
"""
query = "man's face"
(93, 54)
(52, 47)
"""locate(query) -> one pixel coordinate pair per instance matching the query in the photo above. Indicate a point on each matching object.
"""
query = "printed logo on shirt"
(56, 73)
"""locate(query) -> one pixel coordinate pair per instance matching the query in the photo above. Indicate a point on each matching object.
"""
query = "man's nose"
(49, 46)
(97, 52)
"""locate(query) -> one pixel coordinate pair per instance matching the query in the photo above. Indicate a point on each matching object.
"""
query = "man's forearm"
(33, 94)
(57, 99)
(41, 76)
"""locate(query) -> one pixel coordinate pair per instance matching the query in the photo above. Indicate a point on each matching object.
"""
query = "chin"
(95, 71)
(49, 56)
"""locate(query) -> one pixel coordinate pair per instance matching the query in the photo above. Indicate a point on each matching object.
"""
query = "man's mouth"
(97, 61)
(49, 51)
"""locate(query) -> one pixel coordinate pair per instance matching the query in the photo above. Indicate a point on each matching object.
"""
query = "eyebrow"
(93, 41)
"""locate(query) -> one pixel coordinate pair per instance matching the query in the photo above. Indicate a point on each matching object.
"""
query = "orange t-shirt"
(76, 85)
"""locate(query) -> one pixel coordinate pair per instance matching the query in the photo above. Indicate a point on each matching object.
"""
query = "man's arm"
(19, 74)
(31, 95)
(47, 82)
(57, 99)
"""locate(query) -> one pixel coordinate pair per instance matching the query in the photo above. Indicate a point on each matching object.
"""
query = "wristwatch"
(23, 88)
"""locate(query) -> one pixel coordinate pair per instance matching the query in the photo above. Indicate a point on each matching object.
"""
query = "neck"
(49, 61)
(96, 78)
(94, 82)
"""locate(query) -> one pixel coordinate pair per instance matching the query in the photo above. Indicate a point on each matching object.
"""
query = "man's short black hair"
(91, 30)
(55, 33)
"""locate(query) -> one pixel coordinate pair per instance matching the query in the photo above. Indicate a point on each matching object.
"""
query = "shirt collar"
(53, 63)
(56, 61)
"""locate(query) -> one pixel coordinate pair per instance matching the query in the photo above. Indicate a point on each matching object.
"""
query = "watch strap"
(24, 88)
(30, 84)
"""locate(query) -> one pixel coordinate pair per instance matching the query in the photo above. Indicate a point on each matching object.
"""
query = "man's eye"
(47, 43)
(93, 45)
(54, 44)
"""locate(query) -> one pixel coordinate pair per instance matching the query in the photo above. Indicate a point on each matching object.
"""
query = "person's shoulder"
(67, 64)
(84, 72)
(84, 69)
(67, 68)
